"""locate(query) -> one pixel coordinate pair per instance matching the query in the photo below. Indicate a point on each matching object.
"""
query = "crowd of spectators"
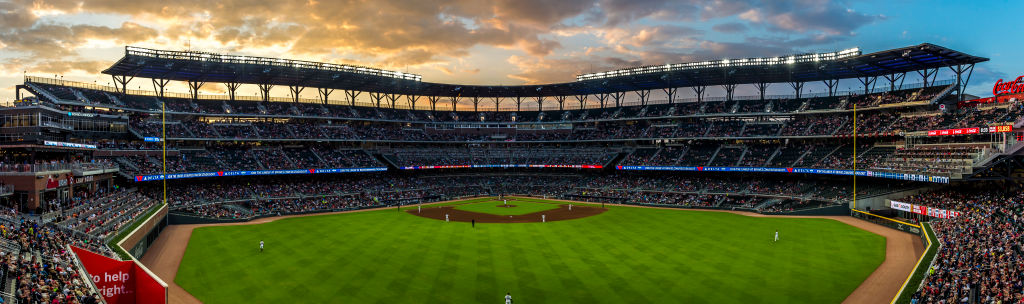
(980, 250)
(105, 214)
(272, 196)
(243, 157)
(37, 259)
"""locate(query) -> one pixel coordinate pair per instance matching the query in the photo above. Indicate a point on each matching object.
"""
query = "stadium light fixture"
(221, 58)
(765, 61)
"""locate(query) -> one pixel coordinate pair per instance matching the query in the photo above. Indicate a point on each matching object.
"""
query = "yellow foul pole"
(854, 203)
(163, 141)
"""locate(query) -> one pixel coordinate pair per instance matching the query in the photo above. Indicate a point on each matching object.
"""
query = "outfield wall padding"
(175, 218)
(137, 243)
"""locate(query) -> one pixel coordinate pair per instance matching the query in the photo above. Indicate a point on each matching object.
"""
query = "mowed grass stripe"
(626, 255)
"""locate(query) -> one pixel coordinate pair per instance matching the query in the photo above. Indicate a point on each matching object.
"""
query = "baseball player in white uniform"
(261, 245)
(445, 217)
(776, 235)
(508, 298)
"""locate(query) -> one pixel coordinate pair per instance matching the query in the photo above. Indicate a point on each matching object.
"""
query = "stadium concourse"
(86, 165)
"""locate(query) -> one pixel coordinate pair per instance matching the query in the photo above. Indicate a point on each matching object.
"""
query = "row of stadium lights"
(722, 63)
(203, 56)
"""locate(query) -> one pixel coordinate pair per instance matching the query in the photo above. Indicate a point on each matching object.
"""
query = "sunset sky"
(494, 42)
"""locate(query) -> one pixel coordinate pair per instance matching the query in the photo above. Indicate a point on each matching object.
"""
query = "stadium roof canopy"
(216, 68)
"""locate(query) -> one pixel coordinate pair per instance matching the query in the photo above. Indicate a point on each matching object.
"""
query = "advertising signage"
(503, 166)
(146, 178)
(923, 210)
(970, 131)
(121, 282)
(1012, 87)
(889, 175)
(1002, 91)
(68, 145)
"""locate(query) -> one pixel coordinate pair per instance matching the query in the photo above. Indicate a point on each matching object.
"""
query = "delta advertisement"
(925, 210)
(121, 282)
(503, 166)
(146, 178)
(899, 176)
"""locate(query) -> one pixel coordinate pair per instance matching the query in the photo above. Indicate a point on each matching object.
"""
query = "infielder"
(543, 218)
(261, 245)
(445, 217)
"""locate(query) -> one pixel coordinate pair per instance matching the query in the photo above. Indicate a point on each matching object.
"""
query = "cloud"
(542, 40)
(808, 16)
(730, 27)
(534, 70)
(644, 37)
(616, 12)
(49, 40)
(53, 67)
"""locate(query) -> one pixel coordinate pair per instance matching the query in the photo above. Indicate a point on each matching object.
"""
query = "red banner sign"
(969, 131)
(121, 282)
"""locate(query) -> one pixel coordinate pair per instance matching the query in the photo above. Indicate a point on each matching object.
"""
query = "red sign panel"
(121, 282)
(969, 131)
(1012, 87)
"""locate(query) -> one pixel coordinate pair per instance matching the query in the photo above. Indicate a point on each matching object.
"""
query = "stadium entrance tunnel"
(561, 213)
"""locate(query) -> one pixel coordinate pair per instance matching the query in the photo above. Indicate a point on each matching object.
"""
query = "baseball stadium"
(237, 171)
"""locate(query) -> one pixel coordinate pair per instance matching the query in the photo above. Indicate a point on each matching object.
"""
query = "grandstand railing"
(81, 166)
(445, 104)
(30, 168)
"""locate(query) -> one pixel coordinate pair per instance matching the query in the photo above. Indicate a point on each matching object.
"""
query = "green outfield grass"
(521, 207)
(625, 255)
